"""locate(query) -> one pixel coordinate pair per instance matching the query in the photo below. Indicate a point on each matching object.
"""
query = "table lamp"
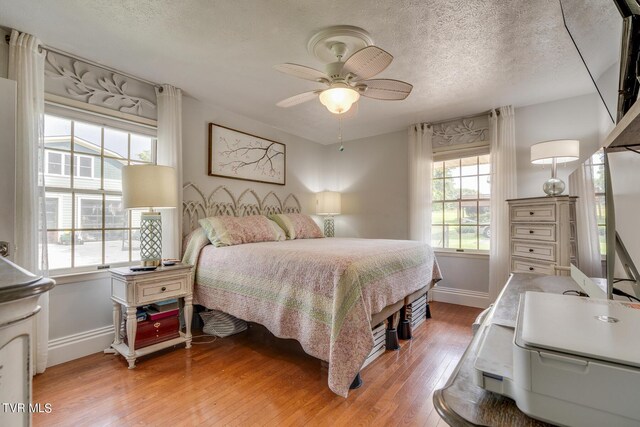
(152, 187)
(328, 205)
(554, 152)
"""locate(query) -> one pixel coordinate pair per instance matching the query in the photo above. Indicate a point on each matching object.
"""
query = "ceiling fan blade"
(386, 89)
(302, 72)
(298, 99)
(367, 62)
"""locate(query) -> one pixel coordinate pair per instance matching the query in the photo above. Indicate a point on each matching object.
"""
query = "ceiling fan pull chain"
(340, 132)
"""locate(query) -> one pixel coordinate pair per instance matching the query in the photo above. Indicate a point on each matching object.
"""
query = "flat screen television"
(608, 43)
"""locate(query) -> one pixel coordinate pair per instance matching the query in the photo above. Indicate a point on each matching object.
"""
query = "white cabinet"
(543, 234)
(19, 293)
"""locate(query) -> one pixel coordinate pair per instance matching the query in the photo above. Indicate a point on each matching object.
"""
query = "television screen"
(598, 40)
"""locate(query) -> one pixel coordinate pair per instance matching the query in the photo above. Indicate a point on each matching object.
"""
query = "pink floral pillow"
(229, 230)
(298, 226)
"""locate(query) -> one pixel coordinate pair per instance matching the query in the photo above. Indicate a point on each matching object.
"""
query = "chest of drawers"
(543, 234)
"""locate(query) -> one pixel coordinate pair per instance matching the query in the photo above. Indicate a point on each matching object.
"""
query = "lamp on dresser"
(554, 152)
(328, 205)
(151, 187)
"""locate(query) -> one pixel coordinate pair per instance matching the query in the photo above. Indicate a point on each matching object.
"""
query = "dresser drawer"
(520, 265)
(155, 290)
(541, 251)
(543, 212)
(544, 232)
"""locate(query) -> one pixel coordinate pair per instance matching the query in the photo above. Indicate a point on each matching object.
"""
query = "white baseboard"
(460, 296)
(79, 345)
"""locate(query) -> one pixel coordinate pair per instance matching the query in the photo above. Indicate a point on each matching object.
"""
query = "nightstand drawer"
(542, 212)
(545, 232)
(541, 251)
(519, 265)
(154, 290)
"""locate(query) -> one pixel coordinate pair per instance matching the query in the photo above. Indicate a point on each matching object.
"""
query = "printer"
(567, 360)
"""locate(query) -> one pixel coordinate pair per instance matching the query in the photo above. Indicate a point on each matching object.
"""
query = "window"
(60, 164)
(86, 223)
(460, 213)
(598, 176)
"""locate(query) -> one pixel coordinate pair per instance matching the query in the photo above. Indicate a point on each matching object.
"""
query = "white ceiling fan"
(346, 81)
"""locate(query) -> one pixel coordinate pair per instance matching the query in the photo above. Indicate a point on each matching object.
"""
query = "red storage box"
(151, 332)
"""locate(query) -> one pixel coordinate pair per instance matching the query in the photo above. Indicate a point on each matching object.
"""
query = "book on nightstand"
(161, 306)
(157, 315)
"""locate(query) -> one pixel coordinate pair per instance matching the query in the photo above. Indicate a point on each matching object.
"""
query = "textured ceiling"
(461, 56)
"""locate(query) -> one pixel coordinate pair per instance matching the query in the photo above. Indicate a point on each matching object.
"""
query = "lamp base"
(329, 228)
(150, 239)
(553, 187)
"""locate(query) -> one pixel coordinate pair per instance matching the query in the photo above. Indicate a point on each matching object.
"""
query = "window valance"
(76, 83)
(467, 134)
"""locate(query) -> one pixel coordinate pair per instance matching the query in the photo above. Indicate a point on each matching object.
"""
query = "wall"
(371, 174)
(608, 85)
(8, 90)
(573, 118)
(4, 54)
(304, 158)
(80, 318)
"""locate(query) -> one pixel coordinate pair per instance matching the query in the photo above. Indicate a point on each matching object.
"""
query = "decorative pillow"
(298, 226)
(229, 230)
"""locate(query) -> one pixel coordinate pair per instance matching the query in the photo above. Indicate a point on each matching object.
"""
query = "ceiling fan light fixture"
(339, 99)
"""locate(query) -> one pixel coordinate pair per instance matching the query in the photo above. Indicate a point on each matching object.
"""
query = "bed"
(325, 293)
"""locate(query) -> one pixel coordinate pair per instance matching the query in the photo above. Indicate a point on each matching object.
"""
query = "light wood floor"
(256, 379)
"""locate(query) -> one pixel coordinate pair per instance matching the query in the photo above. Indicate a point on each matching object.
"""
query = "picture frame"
(239, 155)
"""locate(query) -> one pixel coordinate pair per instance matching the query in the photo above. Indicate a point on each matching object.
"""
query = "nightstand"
(131, 289)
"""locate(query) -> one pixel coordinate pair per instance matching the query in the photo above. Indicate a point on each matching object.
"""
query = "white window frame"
(75, 115)
(459, 154)
(76, 158)
(63, 163)
(46, 164)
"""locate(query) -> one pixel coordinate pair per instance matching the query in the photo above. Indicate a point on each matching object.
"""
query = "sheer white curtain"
(581, 185)
(503, 187)
(420, 171)
(26, 67)
(170, 154)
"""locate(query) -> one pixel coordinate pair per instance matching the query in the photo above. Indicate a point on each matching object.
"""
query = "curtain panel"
(581, 185)
(26, 67)
(420, 173)
(170, 154)
(503, 187)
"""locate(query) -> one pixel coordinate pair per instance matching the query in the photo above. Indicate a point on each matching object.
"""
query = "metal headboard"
(221, 201)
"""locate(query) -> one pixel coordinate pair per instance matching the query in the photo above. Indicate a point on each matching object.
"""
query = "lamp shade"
(339, 98)
(328, 203)
(149, 186)
(562, 150)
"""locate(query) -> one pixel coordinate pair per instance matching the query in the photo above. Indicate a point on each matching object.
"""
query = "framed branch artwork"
(239, 155)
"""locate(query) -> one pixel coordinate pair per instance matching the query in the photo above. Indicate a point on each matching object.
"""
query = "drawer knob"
(530, 213)
(530, 250)
(530, 231)
(531, 268)
(156, 325)
(164, 288)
